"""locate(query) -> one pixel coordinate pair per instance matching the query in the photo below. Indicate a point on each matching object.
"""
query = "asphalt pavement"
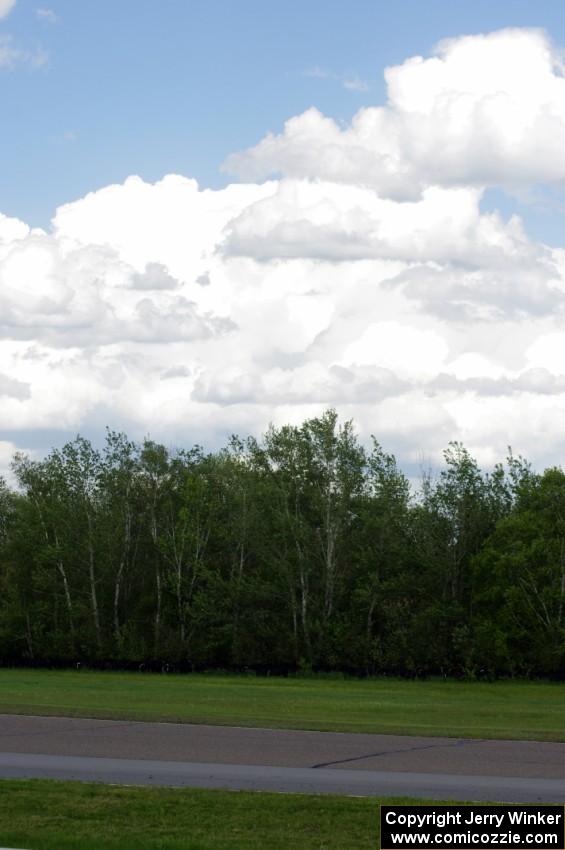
(137, 753)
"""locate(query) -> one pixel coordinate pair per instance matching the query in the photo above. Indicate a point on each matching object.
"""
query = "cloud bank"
(355, 267)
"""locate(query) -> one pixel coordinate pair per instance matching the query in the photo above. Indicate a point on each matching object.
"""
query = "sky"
(217, 215)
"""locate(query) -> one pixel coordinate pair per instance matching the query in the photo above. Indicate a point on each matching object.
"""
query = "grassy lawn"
(45, 815)
(518, 710)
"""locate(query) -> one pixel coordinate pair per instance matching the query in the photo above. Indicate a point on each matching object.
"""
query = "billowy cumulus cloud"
(484, 110)
(355, 267)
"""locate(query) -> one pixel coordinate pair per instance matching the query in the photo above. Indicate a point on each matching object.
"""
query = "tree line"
(300, 550)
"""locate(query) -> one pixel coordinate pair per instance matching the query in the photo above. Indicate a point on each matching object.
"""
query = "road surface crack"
(459, 743)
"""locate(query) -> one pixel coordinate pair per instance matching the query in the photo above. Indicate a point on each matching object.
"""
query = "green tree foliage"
(299, 550)
(520, 577)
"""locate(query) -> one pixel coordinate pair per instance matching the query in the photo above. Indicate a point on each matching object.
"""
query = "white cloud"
(368, 278)
(12, 55)
(46, 15)
(331, 221)
(406, 350)
(548, 352)
(351, 82)
(355, 83)
(317, 73)
(483, 110)
(6, 7)
(12, 387)
(11, 229)
(150, 306)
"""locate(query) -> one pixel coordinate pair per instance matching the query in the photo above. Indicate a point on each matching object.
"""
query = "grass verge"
(48, 815)
(514, 710)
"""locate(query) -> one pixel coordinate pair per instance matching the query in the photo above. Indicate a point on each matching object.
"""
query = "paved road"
(228, 757)
(273, 778)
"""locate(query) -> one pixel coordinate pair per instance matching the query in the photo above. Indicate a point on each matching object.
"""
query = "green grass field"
(517, 710)
(45, 815)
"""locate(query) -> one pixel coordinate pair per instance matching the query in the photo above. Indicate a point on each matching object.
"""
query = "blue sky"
(392, 248)
(150, 88)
